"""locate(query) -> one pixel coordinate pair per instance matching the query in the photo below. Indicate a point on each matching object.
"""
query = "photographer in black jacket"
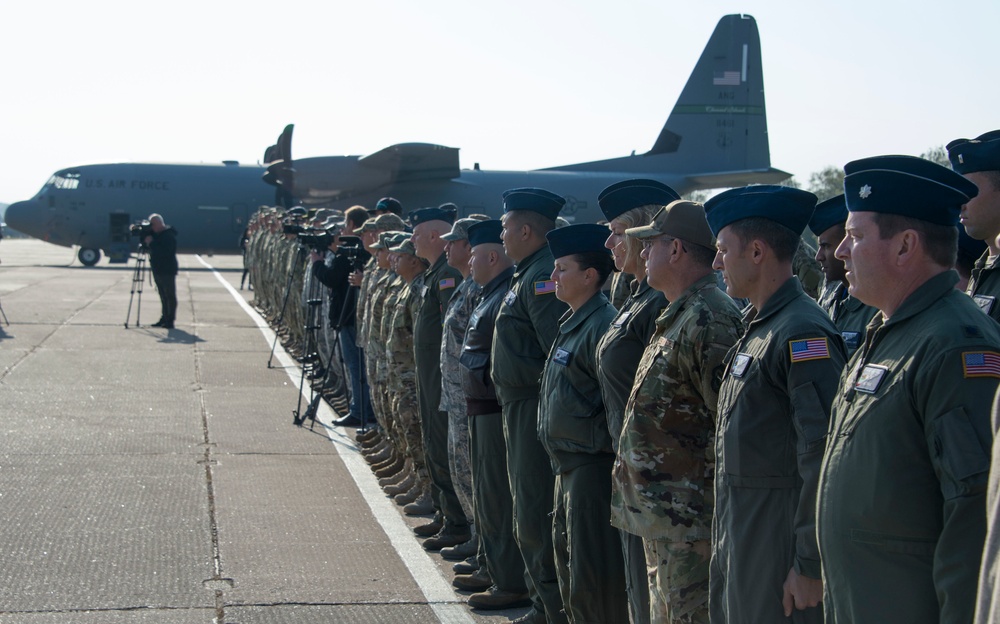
(162, 245)
(349, 255)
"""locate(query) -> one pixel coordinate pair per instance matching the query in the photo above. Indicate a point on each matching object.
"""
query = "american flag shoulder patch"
(808, 349)
(545, 287)
(981, 364)
(446, 283)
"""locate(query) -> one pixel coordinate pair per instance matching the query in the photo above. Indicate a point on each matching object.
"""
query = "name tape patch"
(562, 356)
(870, 378)
(510, 297)
(740, 364)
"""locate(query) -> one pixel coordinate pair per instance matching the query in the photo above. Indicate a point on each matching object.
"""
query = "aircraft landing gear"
(88, 256)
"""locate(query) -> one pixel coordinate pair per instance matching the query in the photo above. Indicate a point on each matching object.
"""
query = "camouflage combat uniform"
(662, 482)
(456, 321)
(403, 376)
(385, 384)
(807, 269)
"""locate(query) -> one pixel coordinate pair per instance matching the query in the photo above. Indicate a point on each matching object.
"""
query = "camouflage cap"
(368, 226)
(387, 240)
(405, 246)
(680, 219)
(459, 230)
(389, 222)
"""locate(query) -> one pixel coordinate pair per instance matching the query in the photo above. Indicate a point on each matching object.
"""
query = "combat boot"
(404, 474)
(387, 470)
(477, 581)
(410, 495)
(468, 566)
(379, 454)
(369, 434)
(421, 506)
(459, 552)
(431, 528)
(495, 598)
(449, 537)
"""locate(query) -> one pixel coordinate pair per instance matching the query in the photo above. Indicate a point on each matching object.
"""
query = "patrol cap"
(580, 238)
(969, 249)
(433, 214)
(619, 198)
(391, 204)
(323, 213)
(459, 230)
(979, 154)
(681, 219)
(404, 246)
(485, 232)
(533, 200)
(389, 222)
(388, 240)
(332, 226)
(368, 225)
(828, 213)
(790, 207)
(907, 186)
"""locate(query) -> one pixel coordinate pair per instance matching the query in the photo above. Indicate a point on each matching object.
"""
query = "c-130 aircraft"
(714, 137)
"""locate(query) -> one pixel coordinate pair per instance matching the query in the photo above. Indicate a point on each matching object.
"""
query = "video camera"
(351, 248)
(141, 229)
(316, 239)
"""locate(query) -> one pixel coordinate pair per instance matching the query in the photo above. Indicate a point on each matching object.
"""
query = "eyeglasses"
(649, 242)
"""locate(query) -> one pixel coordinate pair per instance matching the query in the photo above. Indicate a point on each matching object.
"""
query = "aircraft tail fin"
(718, 124)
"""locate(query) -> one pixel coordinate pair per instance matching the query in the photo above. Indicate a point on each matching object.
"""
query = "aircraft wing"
(733, 179)
(410, 162)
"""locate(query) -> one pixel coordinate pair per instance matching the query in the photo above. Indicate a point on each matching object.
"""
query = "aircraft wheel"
(88, 256)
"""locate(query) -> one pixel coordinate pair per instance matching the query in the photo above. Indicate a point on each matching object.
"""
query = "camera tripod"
(310, 352)
(4, 315)
(138, 275)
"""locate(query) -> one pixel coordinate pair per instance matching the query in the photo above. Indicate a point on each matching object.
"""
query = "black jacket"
(163, 252)
(334, 277)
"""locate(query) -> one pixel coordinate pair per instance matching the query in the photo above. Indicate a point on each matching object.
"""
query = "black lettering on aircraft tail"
(716, 134)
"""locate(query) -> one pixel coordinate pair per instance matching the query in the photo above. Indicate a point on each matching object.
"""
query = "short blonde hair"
(636, 217)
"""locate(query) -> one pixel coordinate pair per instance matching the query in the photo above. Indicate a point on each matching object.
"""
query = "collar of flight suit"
(923, 297)
(571, 320)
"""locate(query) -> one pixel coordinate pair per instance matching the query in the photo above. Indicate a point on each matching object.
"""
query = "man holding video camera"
(349, 255)
(162, 245)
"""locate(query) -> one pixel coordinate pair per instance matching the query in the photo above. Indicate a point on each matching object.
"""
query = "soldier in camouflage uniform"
(628, 204)
(456, 321)
(662, 482)
(979, 161)
(806, 268)
(773, 410)
(847, 313)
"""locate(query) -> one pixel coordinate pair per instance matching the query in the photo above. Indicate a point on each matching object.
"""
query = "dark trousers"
(494, 508)
(361, 402)
(166, 286)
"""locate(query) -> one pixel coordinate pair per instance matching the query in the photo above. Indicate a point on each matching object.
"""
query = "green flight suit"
(988, 599)
(849, 315)
(440, 282)
(618, 355)
(901, 509)
(773, 414)
(573, 429)
(526, 327)
(984, 285)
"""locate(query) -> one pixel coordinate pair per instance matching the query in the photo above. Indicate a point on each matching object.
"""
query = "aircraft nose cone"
(21, 215)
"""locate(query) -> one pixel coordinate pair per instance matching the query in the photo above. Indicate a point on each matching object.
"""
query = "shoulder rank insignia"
(446, 283)
(545, 287)
(981, 364)
(808, 349)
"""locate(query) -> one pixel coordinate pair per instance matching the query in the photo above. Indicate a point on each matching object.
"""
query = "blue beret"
(391, 204)
(534, 200)
(969, 248)
(790, 207)
(433, 214)
(575, 239)
(979, 154)
(828, 213)
(619, 198)
(485, 232)
(907, 186)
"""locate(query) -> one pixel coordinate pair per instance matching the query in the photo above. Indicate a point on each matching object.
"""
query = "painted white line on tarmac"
(449, 607)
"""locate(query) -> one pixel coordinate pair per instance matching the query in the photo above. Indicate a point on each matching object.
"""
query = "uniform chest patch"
(981, 364)
(870, 379)
(808, 349)
(665, 343)
(545, 287)
(562, 356)
(984, 302)
(740, 365)
(446, 283)
(510, 297)
(852, 340)
(622, 318)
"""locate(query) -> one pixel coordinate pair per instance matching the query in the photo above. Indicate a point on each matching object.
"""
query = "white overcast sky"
(516, 84)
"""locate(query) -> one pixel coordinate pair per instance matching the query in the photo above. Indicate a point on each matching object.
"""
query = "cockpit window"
(64, 181)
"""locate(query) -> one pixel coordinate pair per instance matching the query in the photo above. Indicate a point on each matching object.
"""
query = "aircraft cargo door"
(121, 237)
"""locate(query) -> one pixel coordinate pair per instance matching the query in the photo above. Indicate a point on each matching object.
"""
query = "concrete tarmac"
(151, 475)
